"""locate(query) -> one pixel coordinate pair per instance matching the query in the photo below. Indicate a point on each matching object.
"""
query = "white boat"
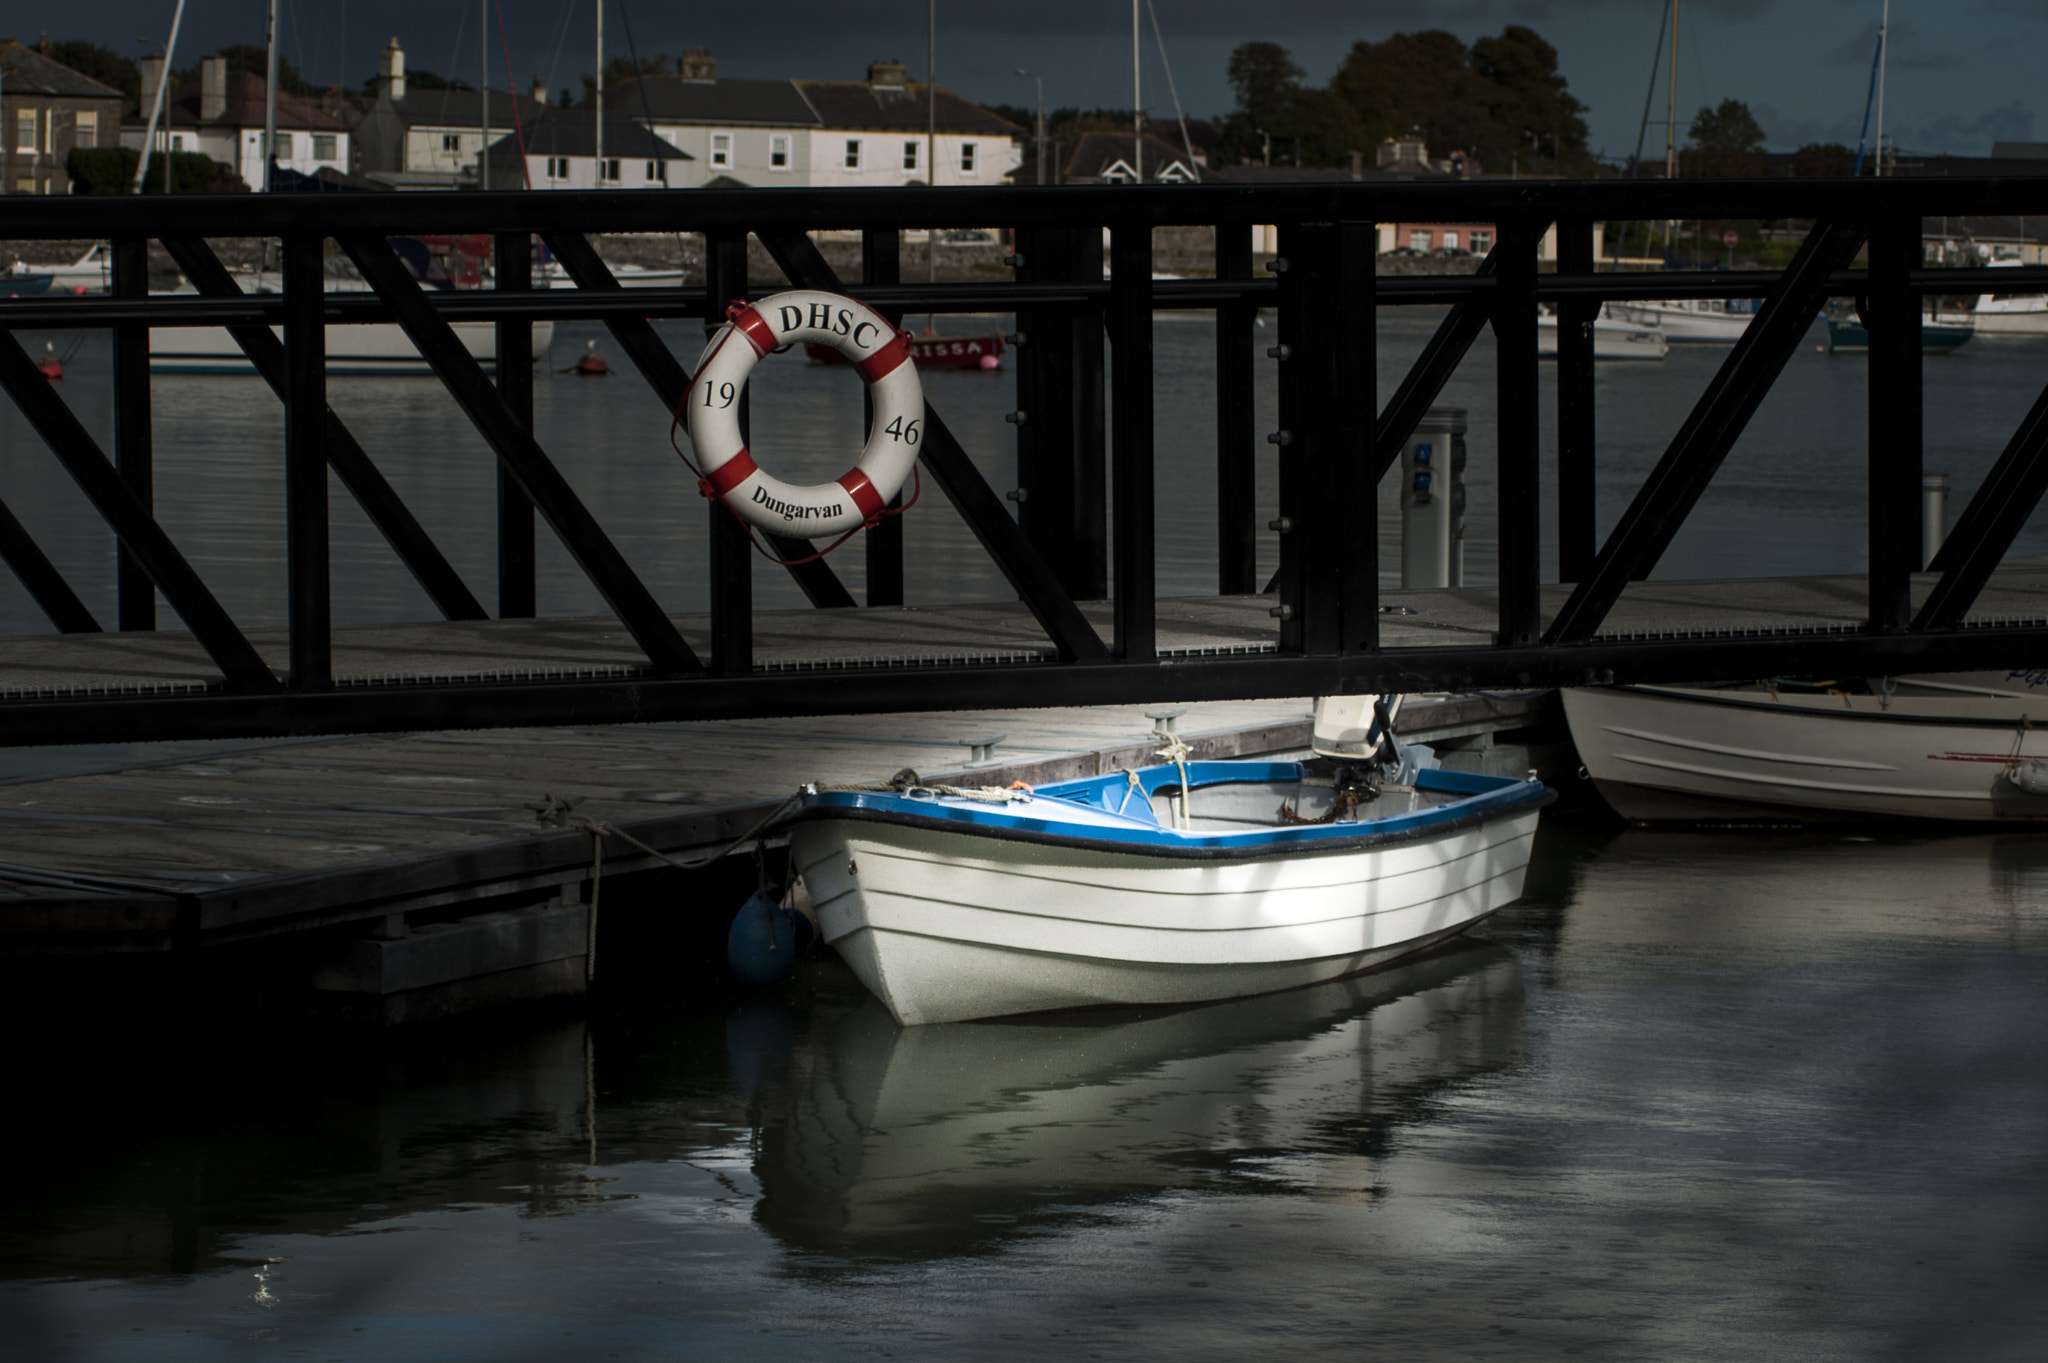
(552, 276)
(369, 348)
(1125, 889)
(1999, 314)
(1962, 747)
(880, 1139)
(1690, 320)
(1612, 340)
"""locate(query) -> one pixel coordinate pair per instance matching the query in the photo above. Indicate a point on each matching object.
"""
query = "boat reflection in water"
(937, 1140)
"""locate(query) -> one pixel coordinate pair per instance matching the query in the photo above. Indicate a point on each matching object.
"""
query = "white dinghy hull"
(1674, 753)
(944, 925)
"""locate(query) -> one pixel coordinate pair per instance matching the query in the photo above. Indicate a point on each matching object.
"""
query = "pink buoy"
(991, 362)
(591, 364)
(50, 366)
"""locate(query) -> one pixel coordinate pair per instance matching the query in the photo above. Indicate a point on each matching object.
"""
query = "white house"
(817, 132)
(429, 139)
(561, 153)
(223, 117)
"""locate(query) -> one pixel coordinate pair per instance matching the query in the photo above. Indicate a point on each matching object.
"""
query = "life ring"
(882, 355)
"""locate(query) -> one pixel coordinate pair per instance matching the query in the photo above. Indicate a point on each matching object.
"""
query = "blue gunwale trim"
(1058, 816)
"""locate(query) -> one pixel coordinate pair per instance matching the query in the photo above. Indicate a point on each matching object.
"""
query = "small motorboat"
(1612, 339)
(1848, 336)
(18, 283)
(88, 274)
(1712, 321)
(1179, 883)
(1958, 748)
(935, 351)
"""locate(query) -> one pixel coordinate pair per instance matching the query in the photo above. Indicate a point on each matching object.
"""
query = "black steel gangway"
(1079, 550)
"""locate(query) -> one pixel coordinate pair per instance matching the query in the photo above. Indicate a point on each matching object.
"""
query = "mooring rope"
(560, 811)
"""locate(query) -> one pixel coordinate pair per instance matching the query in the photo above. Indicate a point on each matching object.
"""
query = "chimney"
(539, 93)
(888, 75)
(697, 64)
(1356, 161)
(152, 76)
(213, 86)
(391, 70)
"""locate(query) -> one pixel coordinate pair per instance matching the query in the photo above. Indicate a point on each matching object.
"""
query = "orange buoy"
(591, 364)
(52, 368)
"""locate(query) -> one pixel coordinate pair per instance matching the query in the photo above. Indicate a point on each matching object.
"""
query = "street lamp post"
(1039, 138)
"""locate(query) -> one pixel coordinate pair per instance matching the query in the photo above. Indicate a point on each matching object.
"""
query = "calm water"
(1789, 500)
(1697, 1097)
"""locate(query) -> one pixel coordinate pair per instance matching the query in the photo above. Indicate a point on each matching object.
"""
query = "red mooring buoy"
(591, 364)
(52, 368)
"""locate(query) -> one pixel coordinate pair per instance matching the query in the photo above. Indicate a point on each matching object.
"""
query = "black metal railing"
(1084, 437)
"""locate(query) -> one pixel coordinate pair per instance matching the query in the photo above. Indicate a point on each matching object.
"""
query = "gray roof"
(462, 108)
(29, 72)
(670, 99)
(859, 105)
(573, 132)
(1092, 154)
(851, 104)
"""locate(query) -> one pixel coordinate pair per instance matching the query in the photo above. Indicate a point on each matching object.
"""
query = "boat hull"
(1668, 753)
(372, 348)
(948, 926)
(1852, 338)
(1685, 325)
(1611, 341)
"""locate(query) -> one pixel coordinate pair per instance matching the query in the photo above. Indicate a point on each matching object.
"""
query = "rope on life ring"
(726, 471)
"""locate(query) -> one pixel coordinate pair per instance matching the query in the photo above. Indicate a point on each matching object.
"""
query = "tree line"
(1498, 100)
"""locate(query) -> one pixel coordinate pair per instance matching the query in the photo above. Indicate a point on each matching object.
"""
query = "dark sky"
(1961, 73)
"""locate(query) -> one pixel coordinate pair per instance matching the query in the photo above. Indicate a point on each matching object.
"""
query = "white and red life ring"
(881, 353)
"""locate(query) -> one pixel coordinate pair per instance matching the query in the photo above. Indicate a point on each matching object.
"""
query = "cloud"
(1973, 135)
(1911, 50)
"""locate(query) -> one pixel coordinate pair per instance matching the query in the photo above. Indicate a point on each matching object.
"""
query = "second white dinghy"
(1165, 885)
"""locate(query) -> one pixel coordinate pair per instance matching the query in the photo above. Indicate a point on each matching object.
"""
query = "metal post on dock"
(1429, 515)
(1933, 515)
(513, 271)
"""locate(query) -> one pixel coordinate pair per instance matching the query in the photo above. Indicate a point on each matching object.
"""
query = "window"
(853, 153)
(1482, 242)
(778, 152)
(88, 134)
(611, 169)
(284, 146)
(1419, 241)
(1450, 241)
(451, 142)
(558, 167)
(178, 142)
(25, 130)
(721, 149)
(323, 146)
(910, 155)
(657, 172)
(967, 158)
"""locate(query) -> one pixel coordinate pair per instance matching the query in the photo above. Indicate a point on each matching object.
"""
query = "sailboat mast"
(1884, 23)
(599, 98)
(1137, 102)
(1671, 103)
(269, 101)
(931, 104)
(483, 87)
